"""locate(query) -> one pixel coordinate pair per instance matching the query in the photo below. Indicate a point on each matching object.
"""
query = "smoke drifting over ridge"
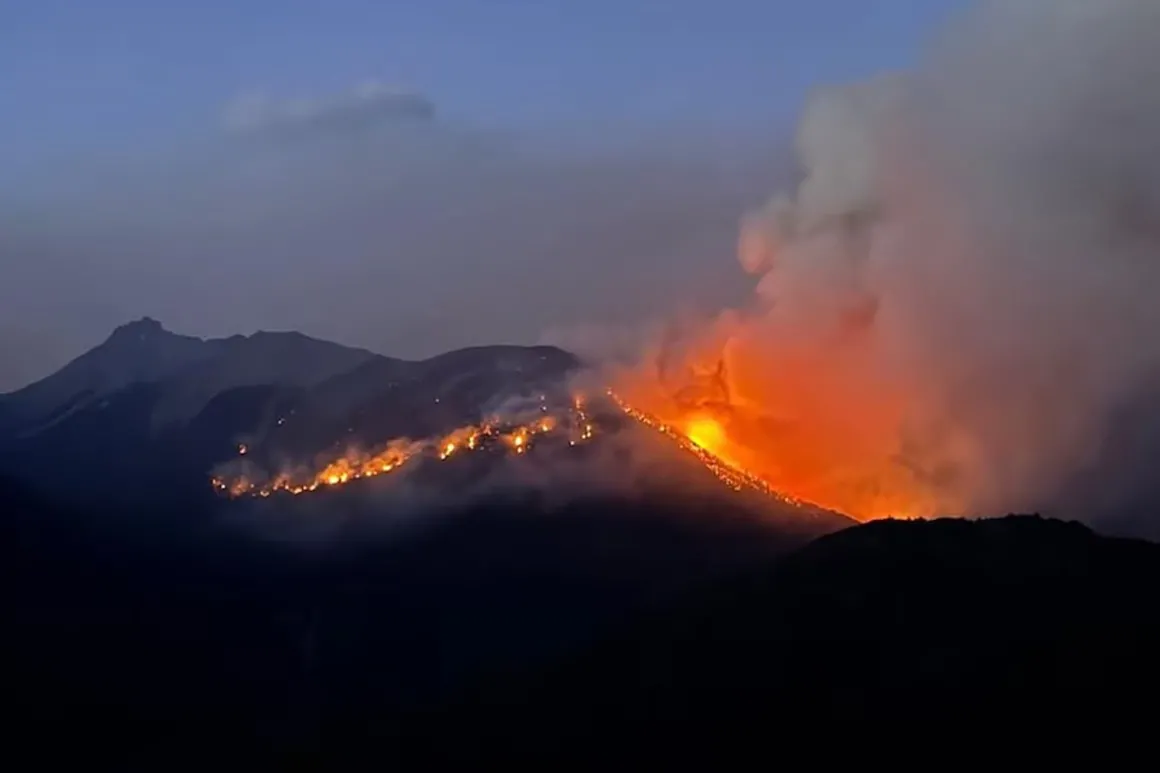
(368, 218)
(961, 291)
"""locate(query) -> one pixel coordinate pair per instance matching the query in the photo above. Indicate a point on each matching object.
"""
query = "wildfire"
(839, 457)
(358, 465)
(707, 430)
(701, 434)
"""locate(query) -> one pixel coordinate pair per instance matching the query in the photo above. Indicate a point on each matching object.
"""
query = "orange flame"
(730, 474)
(843, 458)
(702, 434)
(357, 465)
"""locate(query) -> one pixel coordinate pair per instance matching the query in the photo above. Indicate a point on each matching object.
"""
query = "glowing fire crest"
(357, 464)
(703, 437)
(708, 432)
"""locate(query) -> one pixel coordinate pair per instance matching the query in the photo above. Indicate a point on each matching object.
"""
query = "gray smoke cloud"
(964, 281)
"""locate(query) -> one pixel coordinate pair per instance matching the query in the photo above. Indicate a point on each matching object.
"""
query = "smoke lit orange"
(839, 459)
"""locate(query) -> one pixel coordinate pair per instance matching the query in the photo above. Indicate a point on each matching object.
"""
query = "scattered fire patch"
(510, 437)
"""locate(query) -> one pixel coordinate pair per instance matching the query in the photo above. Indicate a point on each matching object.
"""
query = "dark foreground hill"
(599, 632)
(128, 634)
(1011, 622)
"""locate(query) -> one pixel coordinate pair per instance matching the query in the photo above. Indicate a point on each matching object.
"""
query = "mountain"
(507, 634)
(1011, 622)
(557, 620)
(139, 352)
(146, 414)
(144, 418)
(205, 637)
(144, 352)
(133, 579)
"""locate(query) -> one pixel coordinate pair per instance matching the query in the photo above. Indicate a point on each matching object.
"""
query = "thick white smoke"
(962, 289)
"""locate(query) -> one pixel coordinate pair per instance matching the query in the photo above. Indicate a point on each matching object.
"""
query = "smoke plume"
(960, 292)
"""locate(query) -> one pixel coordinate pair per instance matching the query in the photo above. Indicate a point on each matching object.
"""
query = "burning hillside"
(703, 439)
(823, 462)
(496, 435)
(574, 427)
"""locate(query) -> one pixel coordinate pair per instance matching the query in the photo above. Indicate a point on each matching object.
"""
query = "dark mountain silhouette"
(1012, 621)
(130, 634)
(194, 370)
(600, 631)
(138, 352)
(142, 418)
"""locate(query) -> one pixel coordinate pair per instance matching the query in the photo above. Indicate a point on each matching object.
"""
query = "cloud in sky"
(368, 105)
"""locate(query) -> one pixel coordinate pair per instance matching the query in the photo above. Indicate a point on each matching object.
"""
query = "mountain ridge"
(145, 351)
(650, 622)
(148, 404)
(1003, 618)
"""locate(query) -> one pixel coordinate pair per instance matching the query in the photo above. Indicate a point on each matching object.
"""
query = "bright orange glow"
(706, 433)
(730, 474)
(814, 428)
